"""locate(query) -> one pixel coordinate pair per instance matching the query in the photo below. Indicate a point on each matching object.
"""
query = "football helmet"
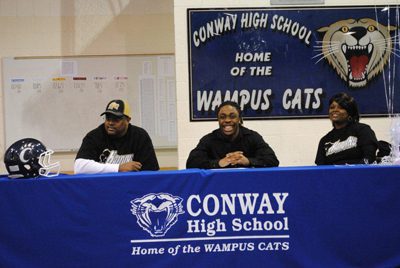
(29, 158)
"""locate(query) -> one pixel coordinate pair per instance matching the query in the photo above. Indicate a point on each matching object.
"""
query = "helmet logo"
(157, 213)
(22, 155)
(113, 106)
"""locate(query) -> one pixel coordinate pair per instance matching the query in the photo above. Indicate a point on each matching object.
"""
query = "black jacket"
(214, 146)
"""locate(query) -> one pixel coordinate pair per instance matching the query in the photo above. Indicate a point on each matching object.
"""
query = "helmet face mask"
(48, 169)
(28, 158)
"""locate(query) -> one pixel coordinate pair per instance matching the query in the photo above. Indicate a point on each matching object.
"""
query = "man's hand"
(234, 158)
(130, 166)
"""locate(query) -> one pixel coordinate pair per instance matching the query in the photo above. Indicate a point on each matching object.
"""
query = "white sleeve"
(86, 166)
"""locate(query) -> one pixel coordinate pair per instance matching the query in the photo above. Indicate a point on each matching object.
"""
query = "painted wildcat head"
(357, 49)
(157, 213)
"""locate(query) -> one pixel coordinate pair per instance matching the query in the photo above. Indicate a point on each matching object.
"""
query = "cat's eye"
(371, 28)
(345, 29)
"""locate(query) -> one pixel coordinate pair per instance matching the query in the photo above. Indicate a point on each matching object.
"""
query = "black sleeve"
(368, 143)
(146, 154)
(88, 149)
(199, 156)
(264, 156)
(320, 158)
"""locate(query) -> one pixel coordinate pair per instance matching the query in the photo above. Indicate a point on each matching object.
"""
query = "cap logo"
(113, 106)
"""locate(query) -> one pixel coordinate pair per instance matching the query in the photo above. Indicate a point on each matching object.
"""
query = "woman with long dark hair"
(349, 142)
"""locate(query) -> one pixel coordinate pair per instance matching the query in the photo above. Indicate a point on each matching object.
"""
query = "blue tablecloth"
(347, 216)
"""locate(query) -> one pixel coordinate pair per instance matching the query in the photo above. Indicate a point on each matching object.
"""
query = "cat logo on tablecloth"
(357, 49)
(157, 213)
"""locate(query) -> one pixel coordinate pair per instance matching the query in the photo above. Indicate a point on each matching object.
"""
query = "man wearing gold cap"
(116, 145)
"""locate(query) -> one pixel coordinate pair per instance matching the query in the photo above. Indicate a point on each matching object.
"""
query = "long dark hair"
(348, 103)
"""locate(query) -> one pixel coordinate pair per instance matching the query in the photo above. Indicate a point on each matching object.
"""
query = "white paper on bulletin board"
(59, 100)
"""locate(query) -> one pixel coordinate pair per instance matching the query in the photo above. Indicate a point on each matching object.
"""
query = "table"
(332, 216)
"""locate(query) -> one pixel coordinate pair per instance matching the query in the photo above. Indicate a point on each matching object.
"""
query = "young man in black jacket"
(231, 145)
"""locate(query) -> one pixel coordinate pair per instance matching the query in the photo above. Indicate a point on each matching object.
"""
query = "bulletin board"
(59, 100)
